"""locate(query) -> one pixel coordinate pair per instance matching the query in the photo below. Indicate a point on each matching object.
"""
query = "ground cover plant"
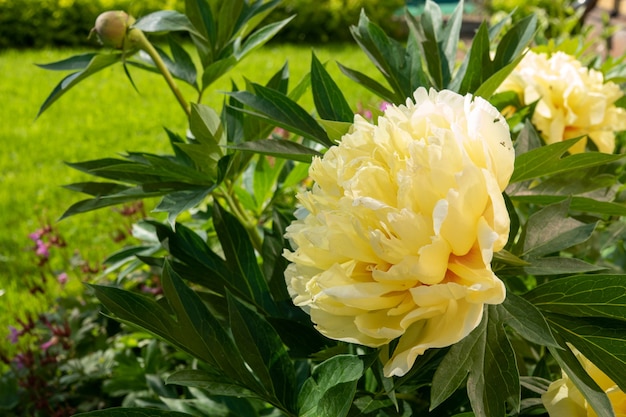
(455, 251)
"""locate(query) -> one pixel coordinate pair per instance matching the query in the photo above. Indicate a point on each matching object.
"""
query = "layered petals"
(396, 236)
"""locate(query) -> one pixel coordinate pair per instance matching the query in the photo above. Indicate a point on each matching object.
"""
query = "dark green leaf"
(389, 56)
(602, 341)
(582, 204)
(97, 188)
(264, 351)
(182, 66)
(489, 86)
(548, 160)
(369, 83)
(165, 21)
(274, 263)
(279, 148)
(341, 372)
(526, 320)
(76, 62)
(550, 230)
(556, 265)
(458, 362)
(213, 382)
(241, 258)
(215, 70)
(477, 64)
(199, 331)
(583, 296)
(515, 41)
(329, 100)
(132, 412)
(487, 355)
(259, 38)
(97, 63)
(275, 107)
(177, 202)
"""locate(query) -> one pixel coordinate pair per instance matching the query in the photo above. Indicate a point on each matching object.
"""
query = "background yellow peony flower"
(396, 237)
(563, 399)
(573, 100)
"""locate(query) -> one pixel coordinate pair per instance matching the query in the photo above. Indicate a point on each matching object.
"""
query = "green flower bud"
(112, 27)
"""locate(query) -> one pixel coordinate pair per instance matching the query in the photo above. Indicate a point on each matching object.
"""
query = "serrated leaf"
(327, 96)
(97, 63)
(583, 296)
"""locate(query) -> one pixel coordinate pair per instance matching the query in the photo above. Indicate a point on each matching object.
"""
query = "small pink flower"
(41, 249)
(36, 235)
(14, 336)
(62, 278)
(384, 105)
(53, 341)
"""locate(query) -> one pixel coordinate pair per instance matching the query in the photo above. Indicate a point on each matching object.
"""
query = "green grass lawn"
(101, 118)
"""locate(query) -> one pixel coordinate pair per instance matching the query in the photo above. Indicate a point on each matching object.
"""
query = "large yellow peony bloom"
(396, 237)
(563, 399)
(573, 100)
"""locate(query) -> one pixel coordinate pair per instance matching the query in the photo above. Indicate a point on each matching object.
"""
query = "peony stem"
(137, 37)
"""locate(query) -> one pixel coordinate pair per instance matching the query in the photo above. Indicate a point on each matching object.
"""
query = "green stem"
(137, 38)
(248, 223)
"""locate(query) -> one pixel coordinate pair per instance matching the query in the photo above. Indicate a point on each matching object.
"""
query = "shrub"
(38, 23)
(329, 20)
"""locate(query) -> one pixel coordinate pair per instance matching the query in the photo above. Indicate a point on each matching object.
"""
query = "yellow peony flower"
(573, 100)
(396, 237)
(563, 399)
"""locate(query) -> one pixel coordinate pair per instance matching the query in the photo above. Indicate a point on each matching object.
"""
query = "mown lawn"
(101, 118)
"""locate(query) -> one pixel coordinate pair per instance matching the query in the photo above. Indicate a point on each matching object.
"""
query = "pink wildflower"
(62, 278)
(14, 336)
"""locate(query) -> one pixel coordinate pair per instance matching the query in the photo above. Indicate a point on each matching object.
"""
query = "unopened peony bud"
(112, 28)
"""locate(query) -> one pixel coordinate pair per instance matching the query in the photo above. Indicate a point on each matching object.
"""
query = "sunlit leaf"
(96, 63)
(165, 21)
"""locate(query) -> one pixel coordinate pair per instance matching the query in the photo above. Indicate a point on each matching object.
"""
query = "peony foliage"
(444, 257)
